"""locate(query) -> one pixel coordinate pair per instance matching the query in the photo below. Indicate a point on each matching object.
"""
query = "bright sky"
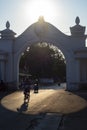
(61, 13)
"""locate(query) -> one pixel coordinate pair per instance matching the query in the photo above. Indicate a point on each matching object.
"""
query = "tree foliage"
(44, 60)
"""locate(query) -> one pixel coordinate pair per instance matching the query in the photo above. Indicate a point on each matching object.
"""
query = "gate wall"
(73, 48)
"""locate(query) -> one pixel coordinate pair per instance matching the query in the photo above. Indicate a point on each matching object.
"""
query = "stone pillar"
(72, 74)
(7, 46)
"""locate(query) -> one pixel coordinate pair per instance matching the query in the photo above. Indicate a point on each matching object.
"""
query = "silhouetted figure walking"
(27, 94)
(2, 86)
(36, 86)
(27, 91)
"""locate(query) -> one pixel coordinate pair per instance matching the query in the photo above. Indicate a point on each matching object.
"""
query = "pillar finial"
(41, 19)
(77, 20)
(7, 25)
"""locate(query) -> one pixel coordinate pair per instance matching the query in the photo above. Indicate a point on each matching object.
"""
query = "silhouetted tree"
(44, 60)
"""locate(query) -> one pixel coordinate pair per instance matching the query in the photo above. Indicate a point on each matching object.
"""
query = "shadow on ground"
(11, 120)
(20, 120)
(76, 120)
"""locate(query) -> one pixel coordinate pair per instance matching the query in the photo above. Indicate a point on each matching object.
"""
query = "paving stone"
(50, 122)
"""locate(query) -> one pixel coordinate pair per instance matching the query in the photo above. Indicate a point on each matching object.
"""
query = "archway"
(73, 48)
(43, 31)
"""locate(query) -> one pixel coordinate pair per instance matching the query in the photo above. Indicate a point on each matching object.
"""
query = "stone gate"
(72, 46)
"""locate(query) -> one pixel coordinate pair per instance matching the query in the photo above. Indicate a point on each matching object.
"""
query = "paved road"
(52, 99)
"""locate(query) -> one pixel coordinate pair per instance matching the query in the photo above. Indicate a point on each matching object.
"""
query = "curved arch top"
(39, 32)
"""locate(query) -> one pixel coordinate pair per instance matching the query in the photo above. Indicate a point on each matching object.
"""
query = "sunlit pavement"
(68, 110)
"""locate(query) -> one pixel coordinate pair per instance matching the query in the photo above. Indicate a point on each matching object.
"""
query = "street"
(52, 99)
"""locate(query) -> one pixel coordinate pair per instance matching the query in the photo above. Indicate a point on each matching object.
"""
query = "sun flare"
(36, 8)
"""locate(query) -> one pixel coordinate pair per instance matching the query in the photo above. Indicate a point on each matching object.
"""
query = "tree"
(44, 60)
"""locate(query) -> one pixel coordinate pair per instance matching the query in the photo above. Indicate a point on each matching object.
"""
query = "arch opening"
(43, 61)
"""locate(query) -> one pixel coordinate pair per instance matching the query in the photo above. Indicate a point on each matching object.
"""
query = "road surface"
(15, 115)
(50, 99)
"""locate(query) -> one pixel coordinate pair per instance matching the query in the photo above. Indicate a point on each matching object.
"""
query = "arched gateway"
(73, 48)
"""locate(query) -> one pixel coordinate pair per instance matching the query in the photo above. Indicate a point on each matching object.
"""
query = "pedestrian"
(27, 91)
(2, 85)
(36, 86)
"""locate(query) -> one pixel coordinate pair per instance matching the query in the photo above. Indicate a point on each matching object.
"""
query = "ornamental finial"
(7, 25)
(41, 19)
(77, 20)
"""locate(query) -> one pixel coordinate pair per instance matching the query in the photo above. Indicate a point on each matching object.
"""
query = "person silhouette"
(36, 86)
(27, 94)
(27, 91)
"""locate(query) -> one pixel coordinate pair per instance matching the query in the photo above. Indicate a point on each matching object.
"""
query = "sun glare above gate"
(36, 8)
